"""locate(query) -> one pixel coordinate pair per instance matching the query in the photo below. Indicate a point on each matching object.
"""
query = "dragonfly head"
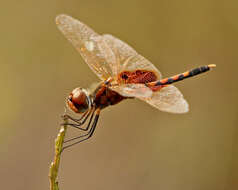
(79, 100)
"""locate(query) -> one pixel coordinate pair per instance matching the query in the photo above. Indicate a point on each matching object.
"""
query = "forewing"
(128, 58)
(120, 48)
(168, 99)
(133, 90)
(92, 47)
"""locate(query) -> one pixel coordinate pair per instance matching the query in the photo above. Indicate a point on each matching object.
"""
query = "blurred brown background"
(135, 146)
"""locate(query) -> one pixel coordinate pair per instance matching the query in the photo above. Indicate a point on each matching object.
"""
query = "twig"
(54, 167)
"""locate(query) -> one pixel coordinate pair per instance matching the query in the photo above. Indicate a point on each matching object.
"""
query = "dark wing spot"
(124, 76)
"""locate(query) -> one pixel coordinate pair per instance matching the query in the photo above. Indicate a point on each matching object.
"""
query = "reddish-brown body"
(103, 97)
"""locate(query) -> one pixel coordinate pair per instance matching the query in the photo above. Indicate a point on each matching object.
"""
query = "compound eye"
(78, 100)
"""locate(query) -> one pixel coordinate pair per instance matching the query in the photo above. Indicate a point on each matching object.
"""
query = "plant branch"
(54, 166)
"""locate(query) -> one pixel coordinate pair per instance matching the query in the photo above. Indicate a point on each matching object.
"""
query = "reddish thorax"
(104, 96)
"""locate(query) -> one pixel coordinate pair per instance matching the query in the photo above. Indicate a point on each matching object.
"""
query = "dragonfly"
(123, 73)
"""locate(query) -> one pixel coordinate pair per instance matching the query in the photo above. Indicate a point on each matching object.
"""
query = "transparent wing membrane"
(108, 56)
(92, 47)
(129, 59)
(120, 48)
(133, 90)
(168, 99)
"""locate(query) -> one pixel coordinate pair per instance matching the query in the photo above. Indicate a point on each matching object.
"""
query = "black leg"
(78, 123)
(66, 116)
(86, 129)
(88, 135)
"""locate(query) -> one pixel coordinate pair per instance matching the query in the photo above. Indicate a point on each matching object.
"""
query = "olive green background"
(135, 146)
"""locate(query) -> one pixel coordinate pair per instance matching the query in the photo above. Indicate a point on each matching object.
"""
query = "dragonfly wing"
(92, 47)
(120, 48)
(168, 99)
(129, 59)
(138, 62)
(133, 90)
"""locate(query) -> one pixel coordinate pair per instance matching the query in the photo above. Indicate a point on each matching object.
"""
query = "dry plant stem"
(54, 167)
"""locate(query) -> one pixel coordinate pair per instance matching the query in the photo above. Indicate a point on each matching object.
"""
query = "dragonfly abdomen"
(158, 84)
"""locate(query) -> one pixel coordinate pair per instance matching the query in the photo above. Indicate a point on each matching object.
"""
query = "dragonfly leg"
(66, 116)
(80, 121)
(87, 135)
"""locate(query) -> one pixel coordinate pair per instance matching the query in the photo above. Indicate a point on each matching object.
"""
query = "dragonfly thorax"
(79, 100)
